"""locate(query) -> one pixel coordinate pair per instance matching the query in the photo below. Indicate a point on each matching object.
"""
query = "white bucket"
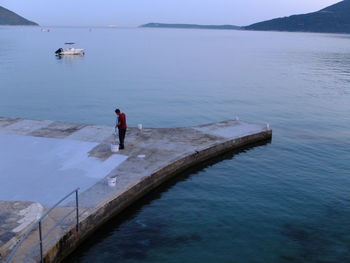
(139, 126)
(112, 181)
(114, 148)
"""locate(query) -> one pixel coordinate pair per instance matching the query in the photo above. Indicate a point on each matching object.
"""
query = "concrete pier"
(41, 161)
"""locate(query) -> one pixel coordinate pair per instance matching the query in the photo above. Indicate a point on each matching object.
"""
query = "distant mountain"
(8, 17)
(332, 19)
(190, 26)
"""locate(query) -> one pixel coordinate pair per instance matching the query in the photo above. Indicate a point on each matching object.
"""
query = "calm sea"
(284, 201)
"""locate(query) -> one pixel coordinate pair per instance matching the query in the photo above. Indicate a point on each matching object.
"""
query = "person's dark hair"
(117, 111)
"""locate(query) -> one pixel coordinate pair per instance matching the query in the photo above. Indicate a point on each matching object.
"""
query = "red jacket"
(122, 121)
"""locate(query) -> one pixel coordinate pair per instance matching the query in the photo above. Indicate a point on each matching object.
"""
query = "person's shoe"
(121, 147)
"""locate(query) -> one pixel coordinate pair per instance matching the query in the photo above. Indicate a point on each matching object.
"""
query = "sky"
(136, 12)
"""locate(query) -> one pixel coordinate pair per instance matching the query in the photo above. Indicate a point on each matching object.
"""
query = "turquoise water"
(284, 201)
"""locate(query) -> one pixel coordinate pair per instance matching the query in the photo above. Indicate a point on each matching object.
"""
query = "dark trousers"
(121, 137)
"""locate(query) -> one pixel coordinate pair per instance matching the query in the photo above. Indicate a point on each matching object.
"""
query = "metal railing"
(38, 224)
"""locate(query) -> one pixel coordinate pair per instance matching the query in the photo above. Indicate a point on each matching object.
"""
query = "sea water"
(284, 201)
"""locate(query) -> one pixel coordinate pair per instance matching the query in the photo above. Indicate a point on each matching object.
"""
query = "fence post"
(77, 209)
(41, 243)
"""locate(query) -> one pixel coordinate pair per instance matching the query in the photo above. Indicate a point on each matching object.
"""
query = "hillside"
(332, 19)
(8, 17)
(189, 26)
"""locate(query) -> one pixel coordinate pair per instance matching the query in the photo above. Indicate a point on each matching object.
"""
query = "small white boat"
(70, 50)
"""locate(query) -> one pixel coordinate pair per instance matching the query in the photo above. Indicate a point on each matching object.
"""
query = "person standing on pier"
(121, 125)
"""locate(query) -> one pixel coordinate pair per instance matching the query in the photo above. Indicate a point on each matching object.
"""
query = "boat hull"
(73, 52)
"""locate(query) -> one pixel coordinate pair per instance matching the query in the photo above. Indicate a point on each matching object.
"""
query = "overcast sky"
(137, 12)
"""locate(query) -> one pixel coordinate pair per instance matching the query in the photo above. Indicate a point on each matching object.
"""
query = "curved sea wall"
(151, 157)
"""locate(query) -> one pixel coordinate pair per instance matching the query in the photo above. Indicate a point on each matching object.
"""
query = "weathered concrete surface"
(15, 218)
(153, 156)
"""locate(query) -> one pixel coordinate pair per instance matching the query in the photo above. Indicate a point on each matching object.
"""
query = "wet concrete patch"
(7, 121)
(57, 130)
(51, 167)
(25, 127)
(101, 151)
